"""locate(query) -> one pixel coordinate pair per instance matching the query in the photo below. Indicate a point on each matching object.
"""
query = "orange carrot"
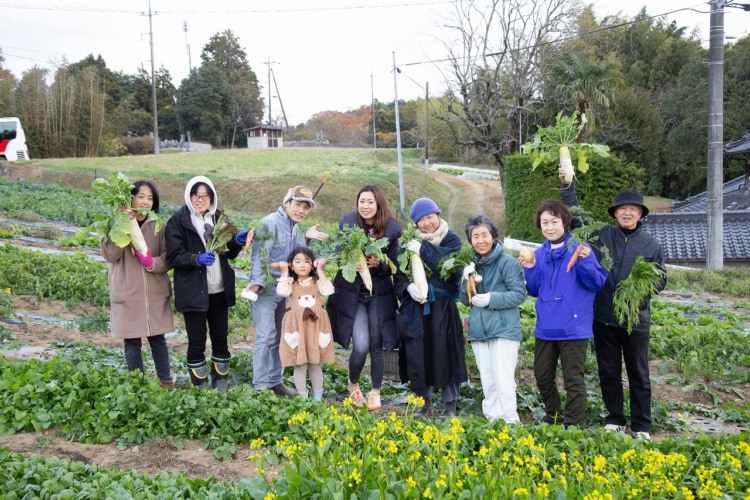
(275, 265)
(250, 235)
(471, 287)
(574, 258)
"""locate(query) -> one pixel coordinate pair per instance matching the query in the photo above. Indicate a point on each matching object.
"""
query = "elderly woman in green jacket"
(494, 319)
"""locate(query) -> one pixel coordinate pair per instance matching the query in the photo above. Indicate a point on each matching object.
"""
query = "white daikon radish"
(419, 275)
(136, 236)
(567, 164)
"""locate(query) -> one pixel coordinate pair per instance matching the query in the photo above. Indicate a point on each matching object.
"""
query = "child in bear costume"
(306, 337)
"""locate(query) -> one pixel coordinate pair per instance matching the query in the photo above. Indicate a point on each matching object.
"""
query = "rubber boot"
(449, 410)
(424, 411)
(198, 374)
(219, 373)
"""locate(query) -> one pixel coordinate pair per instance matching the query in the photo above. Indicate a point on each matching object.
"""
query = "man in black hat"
(625, 240)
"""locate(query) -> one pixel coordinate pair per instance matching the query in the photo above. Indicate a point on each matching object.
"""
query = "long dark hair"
(154, 192)
(307, 253)
(381, 216)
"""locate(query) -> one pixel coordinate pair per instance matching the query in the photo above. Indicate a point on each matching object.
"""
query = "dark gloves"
(206, 259)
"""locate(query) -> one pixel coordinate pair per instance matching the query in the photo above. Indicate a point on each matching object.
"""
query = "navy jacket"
(342, 305)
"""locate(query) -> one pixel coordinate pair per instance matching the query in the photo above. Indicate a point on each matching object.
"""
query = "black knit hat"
(628, 197)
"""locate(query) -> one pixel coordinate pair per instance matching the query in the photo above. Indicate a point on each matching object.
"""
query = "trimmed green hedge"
(525, 190)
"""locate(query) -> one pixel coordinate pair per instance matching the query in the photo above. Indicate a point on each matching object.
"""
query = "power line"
(559, 40)
(229, 10)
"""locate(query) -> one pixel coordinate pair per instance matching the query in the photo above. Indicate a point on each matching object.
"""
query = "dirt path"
(470, 197)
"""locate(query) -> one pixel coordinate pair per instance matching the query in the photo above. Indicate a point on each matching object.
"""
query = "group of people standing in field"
(301, 313)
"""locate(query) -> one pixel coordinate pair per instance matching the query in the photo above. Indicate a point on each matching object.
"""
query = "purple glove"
(206, 259)
(146, 260)
(242, 238)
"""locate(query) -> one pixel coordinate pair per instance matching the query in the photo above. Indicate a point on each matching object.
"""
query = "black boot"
(449, 410)
(425, 410)
(219, 373)
(198, 374)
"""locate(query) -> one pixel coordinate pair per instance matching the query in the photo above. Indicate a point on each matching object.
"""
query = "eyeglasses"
(201, 197)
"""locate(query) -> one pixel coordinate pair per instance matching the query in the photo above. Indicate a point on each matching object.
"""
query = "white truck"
(12, 140)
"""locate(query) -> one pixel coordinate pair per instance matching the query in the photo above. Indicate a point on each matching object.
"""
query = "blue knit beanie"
(422, 207)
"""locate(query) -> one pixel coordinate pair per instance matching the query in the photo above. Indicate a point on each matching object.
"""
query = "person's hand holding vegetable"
(481, 300)
(415, 246)
(147, 260)
(416, 295)
(526, 258)
(206, 259)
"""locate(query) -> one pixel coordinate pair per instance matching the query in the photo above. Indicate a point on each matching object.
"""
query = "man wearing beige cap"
(277, 236)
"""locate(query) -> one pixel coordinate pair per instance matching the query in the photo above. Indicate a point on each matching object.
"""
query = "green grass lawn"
(253, 182)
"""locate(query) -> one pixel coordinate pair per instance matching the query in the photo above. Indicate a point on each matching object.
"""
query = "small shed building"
(264, 136)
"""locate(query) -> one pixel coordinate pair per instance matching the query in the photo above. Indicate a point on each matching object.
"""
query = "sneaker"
(357, 398)
(169, 383)
(614, 428)
(645, 436)
(373, 401)
(317, 395)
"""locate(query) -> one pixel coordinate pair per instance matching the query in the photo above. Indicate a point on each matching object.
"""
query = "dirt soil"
(40, 339)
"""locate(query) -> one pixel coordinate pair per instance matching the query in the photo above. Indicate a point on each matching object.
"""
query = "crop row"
(333, 449)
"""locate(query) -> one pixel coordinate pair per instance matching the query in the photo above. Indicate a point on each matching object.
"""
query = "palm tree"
(589, 84)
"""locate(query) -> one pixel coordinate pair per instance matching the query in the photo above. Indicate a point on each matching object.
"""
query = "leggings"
(366, 337)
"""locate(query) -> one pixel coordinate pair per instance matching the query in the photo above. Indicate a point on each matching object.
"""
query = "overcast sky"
(325, 54)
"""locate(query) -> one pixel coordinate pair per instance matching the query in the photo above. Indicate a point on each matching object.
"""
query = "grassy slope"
(253, 182)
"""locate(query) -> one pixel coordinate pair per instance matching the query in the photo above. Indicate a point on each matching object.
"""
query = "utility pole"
(269, 63)
(372, 103)
(187, 44)
(278, 94)
(715, 173)
(426, 127)
(153, 79)
(398, 140)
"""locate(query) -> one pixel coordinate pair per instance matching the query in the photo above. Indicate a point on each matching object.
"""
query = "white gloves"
(468, 270)
(481, 300)
(414, 292)
(415, 246)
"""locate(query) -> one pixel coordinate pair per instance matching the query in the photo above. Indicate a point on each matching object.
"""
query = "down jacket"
(565, 300)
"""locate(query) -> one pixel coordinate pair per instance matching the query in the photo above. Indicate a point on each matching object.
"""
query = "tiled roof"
(683, 232)
(683, 235)
(735, 198)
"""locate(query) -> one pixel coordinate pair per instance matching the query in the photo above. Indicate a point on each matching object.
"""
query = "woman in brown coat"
(140, 290)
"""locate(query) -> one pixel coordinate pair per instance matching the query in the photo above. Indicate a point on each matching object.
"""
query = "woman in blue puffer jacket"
(564, 312)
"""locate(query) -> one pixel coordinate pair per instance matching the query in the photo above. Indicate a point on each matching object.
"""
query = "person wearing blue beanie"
(432, 352)
(422, 207)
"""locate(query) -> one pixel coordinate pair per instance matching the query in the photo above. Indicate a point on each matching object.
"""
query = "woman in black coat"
(203, 281)
(432, 341)
(367, 319)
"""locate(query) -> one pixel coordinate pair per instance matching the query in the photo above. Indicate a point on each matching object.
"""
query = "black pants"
(217, 319)
(159, 351)
(612, 346)
(572, 356)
